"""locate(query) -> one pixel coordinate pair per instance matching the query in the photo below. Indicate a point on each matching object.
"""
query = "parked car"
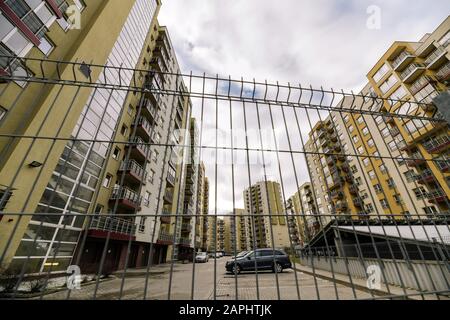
(219, 255)
(264, 259)
(202, 257)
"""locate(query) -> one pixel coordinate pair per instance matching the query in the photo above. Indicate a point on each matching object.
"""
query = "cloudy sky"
(329, 43)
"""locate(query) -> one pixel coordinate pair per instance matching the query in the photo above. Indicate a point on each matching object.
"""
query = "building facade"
(265, 209)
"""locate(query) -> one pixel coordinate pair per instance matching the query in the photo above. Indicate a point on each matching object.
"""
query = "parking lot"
(211, 281)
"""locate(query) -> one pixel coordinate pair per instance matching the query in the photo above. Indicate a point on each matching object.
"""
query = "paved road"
(250, 286)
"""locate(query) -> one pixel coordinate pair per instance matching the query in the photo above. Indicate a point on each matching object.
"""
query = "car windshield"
(202, 254)
(241, 254)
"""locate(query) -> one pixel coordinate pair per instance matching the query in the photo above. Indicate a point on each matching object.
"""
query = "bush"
(37, 285)
(9, 281)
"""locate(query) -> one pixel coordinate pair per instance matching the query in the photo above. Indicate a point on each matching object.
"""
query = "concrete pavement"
(289, 285)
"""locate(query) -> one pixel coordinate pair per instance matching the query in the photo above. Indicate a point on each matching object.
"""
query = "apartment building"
(205, 214)
(302, 207)
(418, 72)
(398, 166)
(62, 176)
(334, 185)
(201, 223)
(216, 233)
(142, 180)
(268, 225)
(191, 197)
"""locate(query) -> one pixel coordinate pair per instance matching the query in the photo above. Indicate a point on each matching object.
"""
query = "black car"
(261, 259)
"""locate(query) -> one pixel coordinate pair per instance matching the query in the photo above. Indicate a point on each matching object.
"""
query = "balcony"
(118, 229)
(171, 179)
(411, 73)
(358, 202)
(127, 198)
(388, 119)
(133, 172)
(443, 74)
(402, 61)
(336, 194)
(353, 189)
(437, 145)
(164, 44)
(168, 196)
(140, 150)
(425, 176)
(331, 160)
(149, 109)
(165, 217)
(416, 159)
(394, 131)
(341, 206)
(436, 59)
(321, 133)
(443, 165)
(419, 84)
(437, 196)
(158, 63)
(165, 238)
(186, 227)
(348, 178)
(143, 127)
(189, 190)
(153, 84)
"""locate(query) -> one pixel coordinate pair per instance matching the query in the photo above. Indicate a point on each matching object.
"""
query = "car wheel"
(278, 268)
(236, 269)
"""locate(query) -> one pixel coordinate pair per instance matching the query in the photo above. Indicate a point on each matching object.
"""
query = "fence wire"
(123, 183)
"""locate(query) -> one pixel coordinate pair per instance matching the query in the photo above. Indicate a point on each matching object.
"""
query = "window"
(410, 175)
(379, 119)
(116, 153)
(384, 204)
(392, 145)
(123, 130)
(365, 131)
(430, 210)
(385, 132)
(360, 120)
(369, 208)
(79, 4)
(420, 193)
(151, 176)
(147, 198)
(346, 118)
(142, 224)
(360, 150)
(398, 199)
(381, 72)
(390, 182)
(351, 128)
(46, 46)
(355, 139)
(372, 174)
(155, 155)
(378, 188)
(397, 95)
(354, 169)
(370, 142)
(388, 84)
(130, 109)
(2, 113)
(383, 168)
(107, 181)
(366, 161)
(98, 209)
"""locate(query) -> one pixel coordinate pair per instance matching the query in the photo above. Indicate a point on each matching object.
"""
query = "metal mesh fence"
(134, 184)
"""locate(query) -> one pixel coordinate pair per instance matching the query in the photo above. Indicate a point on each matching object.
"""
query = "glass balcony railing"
(410, 70)
(124, 193)
(113, 224)
(134, 167)
(436, 54)
(400, 59)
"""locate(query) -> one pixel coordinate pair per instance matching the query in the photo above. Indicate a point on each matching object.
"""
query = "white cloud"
(322, 43)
